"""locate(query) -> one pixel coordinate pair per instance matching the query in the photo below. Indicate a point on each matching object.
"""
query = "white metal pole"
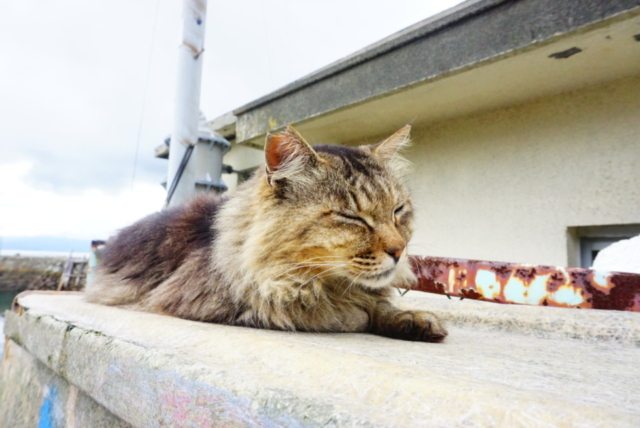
(187, 107)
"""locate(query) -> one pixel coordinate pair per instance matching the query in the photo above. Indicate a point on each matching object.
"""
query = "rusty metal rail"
(528, 284)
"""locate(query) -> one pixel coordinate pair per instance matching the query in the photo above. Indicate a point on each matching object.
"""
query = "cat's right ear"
(287, 154)
(388, 148)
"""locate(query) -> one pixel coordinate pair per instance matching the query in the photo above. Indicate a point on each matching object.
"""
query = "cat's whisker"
(292, 266)
(324, 273)
(321, 275)
(352, 282)
(283, 273)
(420, 247)
(306, 262)
(301, 267)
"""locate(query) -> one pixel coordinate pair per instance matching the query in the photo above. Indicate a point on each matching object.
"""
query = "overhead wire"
(144, 93)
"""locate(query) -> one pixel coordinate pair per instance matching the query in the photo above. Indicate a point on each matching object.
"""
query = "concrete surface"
(150, 370)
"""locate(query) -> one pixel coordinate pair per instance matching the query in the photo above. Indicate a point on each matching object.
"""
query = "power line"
(144, 94)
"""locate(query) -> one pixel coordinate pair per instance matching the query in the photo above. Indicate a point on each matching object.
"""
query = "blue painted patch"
(46, 410)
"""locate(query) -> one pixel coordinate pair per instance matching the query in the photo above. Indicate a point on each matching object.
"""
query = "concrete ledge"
(150, 370)
(542, 322)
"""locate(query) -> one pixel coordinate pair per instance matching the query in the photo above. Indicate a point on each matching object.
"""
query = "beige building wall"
(507, 184)
(240, 157)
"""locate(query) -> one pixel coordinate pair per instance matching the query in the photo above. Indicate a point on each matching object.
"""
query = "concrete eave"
(479, 55)
(224, 125)
(161, 151)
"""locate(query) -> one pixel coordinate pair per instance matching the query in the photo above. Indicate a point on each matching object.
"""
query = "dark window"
(590, 247)
(591, 240)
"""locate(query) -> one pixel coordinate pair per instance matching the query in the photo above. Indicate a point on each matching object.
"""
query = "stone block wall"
(19, 273)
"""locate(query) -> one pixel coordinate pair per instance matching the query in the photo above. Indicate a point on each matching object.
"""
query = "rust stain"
(194, 50)
(273, 124)
(525, 284)
(6, 350)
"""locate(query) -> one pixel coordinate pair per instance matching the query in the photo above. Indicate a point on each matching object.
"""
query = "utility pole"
(181, 174)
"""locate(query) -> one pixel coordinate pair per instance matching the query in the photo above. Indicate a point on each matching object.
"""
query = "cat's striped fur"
(315, 241)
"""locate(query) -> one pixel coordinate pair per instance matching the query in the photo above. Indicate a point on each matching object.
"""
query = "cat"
(315, 241)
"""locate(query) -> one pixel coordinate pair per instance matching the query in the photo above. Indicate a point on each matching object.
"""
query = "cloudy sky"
(87, 89)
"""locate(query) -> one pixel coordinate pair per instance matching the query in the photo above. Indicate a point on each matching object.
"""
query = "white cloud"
(90, 214)
(72, 80)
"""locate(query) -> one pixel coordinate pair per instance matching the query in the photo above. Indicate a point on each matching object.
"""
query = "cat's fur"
(315, 241)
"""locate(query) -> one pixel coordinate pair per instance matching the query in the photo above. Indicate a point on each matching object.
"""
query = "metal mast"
(187, 108)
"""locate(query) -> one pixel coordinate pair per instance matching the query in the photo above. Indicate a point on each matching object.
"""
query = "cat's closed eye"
(353, 219)
(400, 213)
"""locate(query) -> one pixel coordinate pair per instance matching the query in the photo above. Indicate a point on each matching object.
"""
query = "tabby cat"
(315, 241)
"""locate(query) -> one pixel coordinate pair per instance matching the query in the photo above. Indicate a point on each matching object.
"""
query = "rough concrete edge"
(589, 325)
(265, 408)
(224, 125)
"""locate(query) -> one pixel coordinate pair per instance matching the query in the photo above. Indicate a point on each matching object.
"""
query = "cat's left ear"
(388, 148)
(287, 154)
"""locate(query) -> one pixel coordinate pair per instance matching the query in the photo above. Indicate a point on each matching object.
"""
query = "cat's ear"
(287, 154)
(388, 148)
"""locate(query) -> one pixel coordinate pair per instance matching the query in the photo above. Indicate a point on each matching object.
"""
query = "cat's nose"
(395, 253)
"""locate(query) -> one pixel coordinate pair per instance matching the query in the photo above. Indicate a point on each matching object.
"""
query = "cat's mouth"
(377, 280)
(380, 275)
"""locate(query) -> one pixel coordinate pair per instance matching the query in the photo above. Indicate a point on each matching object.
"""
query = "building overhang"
(480, 55)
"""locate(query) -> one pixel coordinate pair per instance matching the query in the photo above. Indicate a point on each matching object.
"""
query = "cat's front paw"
(418, 326)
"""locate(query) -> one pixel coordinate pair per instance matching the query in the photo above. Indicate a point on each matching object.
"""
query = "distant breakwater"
(18, 273)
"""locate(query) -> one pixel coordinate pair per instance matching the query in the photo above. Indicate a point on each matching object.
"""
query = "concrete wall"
(33, 395)
(19, 273)
(507, 184)
(73, 364)
(241, 157)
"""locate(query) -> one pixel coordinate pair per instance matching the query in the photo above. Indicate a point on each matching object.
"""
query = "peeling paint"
(486, 283)
(528, 284)
(567, 295)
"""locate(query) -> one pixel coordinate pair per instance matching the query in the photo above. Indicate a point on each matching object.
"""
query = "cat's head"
(347, 208)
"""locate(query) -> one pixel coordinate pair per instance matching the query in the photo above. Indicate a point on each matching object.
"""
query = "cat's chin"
(399, 276)
(376, 282)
